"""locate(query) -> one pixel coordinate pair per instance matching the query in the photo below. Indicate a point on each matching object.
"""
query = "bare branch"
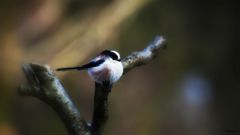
(100, 114)
(43, 84)
(146, 55)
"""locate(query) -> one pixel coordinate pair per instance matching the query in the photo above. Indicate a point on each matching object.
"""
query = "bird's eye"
(112, 54)
(115, 56)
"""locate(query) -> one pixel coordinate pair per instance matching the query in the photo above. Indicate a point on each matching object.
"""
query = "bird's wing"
(93, 63)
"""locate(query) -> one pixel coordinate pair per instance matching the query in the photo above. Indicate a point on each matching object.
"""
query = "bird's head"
(112, 54)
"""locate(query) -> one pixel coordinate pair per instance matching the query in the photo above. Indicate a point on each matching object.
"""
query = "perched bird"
(106, 67)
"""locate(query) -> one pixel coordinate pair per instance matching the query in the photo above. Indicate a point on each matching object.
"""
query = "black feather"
(86, 66)
(110, 54)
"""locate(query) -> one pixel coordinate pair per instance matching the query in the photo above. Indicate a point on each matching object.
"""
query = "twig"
(146, 55)
(43, 84)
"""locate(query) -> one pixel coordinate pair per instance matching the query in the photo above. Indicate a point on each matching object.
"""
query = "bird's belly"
(106, 72)
(100, 75)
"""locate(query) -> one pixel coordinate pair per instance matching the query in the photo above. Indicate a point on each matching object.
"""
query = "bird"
(104, 68)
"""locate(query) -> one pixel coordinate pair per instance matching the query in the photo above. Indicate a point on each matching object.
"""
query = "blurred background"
(191, 88)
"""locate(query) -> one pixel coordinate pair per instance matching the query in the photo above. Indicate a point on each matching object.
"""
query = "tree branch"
(146, 55)
(43, 84)
(100, 114)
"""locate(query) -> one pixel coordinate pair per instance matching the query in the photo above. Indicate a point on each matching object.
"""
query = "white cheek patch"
(116, 71)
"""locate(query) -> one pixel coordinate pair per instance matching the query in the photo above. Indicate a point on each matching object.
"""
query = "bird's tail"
(86, 66)
(69, 68)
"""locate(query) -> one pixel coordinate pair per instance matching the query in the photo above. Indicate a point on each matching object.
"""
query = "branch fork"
(43, 84)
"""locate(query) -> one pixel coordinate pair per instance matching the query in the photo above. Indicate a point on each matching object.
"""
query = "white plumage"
(106, 67)
(110, 70)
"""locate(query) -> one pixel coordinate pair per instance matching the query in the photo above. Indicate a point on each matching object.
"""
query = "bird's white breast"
(110, 70)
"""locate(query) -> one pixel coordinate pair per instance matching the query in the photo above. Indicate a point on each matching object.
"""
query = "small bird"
(106, 67)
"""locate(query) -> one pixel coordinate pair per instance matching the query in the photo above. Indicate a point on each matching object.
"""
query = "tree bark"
(43, 84)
